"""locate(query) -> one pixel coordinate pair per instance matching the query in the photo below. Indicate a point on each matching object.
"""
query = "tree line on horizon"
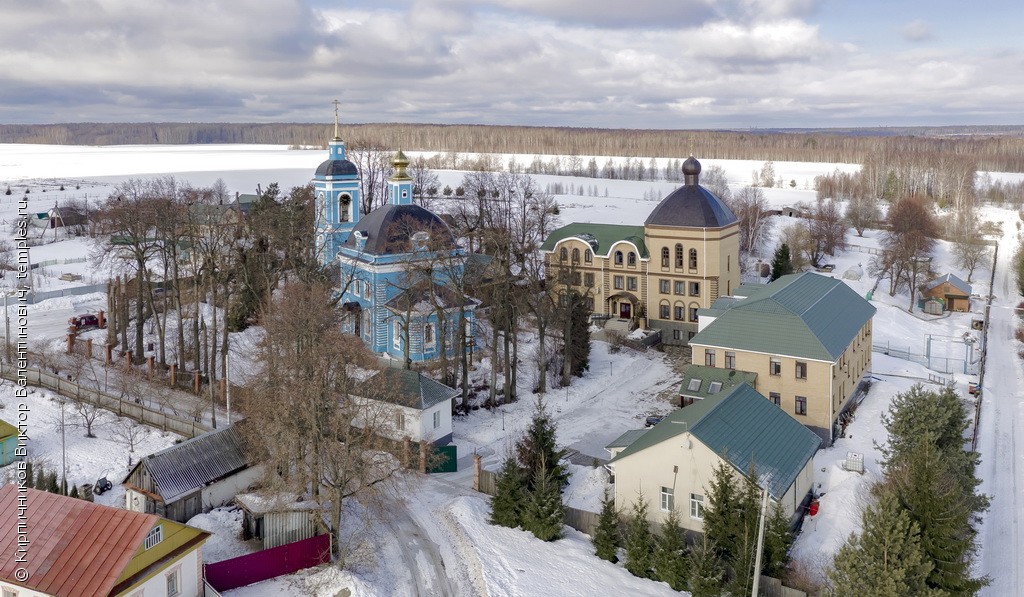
(991, 148)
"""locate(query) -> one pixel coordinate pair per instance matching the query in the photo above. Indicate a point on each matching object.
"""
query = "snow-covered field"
(618, 392)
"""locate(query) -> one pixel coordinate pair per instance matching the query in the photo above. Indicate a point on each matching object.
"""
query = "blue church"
(397, 263)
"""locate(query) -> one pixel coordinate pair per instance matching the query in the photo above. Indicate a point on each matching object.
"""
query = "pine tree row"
(49, 482)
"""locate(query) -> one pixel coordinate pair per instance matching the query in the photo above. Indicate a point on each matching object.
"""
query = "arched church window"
(664, 257)
(693, 258)
(679, 255)
(575, 255)
(563, 254)
(344, 205)
(618, 257)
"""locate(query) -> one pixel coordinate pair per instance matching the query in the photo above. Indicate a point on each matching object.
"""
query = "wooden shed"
(8, 443)
(279, 519)
(952, 291)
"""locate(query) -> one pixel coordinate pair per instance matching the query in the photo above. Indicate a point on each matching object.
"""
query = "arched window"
(693, 312)
(563, 254)
(664, 257)
(344, 203)
(679, 311)
(693, 258)
(631, 259)
(664, 310)
(588, 256)
(618, 257)
(575, 255)
(679, 255)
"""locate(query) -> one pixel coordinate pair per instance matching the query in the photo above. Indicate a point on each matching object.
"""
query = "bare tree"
(969, 252)
(424, 182)
(716, 181)
(751, 209)
(128, 433)
(827, 228)
(373, 158)
(862, 212)
(908, 242)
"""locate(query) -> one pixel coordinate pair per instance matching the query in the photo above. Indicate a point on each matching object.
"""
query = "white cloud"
(917, 30)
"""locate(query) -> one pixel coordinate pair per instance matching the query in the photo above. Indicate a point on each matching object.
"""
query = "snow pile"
(586, 487)
(226, 542)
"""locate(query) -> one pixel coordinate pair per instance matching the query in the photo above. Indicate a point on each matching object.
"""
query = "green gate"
(444, 460)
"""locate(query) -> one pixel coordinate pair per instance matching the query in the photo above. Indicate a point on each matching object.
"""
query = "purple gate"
(269, 563)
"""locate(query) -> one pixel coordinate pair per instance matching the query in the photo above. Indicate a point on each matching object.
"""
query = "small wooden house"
(8, 443)
(192, 477)
(952, 291)
(278, 519)
(411, 406)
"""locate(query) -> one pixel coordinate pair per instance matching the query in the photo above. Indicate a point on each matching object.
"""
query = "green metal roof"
(7, 430)
(604, 236)
(626, 438)
(729, 378)
(803, 315)
(746, 429)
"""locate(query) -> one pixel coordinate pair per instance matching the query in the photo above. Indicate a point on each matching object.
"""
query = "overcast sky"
(603, 63)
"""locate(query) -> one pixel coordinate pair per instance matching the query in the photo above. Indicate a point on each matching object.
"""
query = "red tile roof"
(76, 548)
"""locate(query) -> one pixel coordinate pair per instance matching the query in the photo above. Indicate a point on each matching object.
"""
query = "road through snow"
(1000, 437)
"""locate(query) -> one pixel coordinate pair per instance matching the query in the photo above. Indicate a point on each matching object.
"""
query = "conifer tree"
(41, 478)
(705, 570)
(51, 483)
(935, 499)
(545, 513)
(606, 535)
(537, 448)
(781, 263)
(74, 492)
(777, 541)
(509, 497)
(639, 541)
(720, 523)
(670, 553)
(886, 559)
(29, 479)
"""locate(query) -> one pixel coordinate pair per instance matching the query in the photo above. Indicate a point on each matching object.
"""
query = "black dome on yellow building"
(691, 205)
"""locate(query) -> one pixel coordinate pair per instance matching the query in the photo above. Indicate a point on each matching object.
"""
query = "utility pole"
(760, 541)
(63, 453)
(227, 381)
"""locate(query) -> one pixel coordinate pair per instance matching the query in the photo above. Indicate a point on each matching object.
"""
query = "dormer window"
(154, 537)
(618, 257)
(631, 259)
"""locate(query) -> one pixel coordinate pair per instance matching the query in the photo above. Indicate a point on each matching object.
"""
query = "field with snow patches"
(615, 395)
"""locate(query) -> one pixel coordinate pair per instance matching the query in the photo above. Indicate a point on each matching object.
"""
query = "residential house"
(954, 293)
(192, 477)
(8, 443)
(411, 405)
(76, 548)
(807, 337)
(681, 260)
(700, 382)
(671, 464)
(279, 519)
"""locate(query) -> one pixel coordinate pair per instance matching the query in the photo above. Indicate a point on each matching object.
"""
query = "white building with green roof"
(671, 465)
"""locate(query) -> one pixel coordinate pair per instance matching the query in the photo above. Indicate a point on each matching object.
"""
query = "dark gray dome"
(389, 229)
(337, 168)
(691, 205)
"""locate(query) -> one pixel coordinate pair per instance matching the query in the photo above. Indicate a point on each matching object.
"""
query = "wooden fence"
(125, 408)
(583, 521)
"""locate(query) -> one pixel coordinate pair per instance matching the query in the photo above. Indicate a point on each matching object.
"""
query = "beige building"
(680, 261)
(672, 464)
(807, 337)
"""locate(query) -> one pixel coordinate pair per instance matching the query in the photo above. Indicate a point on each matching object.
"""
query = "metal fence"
(966, 364)
(125, 408)
(269, 563)
(37, 296)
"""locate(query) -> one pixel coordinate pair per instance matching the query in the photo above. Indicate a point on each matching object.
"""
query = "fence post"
(174, 375)
(108, 350)
(476, 472)
(88, 348)
(102, 319)
(149, 367)
(195, 382)
(71, 342)
(127, 360)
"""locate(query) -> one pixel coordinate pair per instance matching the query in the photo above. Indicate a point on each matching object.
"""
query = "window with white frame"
(665, 286)
(775, 366)
(694, 385)
(155, 536)
(667, 499)
(10, 592)
(715, 387)
(396, 334)
(696, 506)
(618, 282)
(631, 283)
(801, 370)
(399, 420)
(174, 582)
(437, 419)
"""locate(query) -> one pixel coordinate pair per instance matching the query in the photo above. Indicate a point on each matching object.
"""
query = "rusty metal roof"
(76, 548)
(193, 464)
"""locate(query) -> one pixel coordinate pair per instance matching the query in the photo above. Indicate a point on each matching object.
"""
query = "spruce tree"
(41, 479)
(886, 559)
(669, 554)
(545, 513)
(51, 483)
(29, 479)
(606, 535)
(639, 541)
(537, 448)
(579, 325)
(74, 492)
(781, 263)
(509, 498)
(934, 498)
(720, 520)
(705, 570)
(777, 541)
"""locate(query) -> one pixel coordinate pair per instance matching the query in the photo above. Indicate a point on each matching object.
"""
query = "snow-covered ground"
(618, 392)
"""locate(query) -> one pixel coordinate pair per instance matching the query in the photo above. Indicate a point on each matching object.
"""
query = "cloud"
(916, 31)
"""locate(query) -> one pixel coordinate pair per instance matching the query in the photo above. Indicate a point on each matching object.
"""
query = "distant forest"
(998, 148)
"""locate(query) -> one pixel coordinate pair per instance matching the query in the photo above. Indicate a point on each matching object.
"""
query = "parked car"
(86, 321)
(653, 420)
